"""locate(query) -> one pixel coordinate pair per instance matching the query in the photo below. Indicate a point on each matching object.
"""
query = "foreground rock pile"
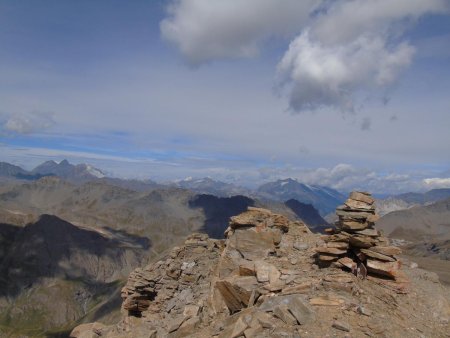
(262, 281)
(356, 245)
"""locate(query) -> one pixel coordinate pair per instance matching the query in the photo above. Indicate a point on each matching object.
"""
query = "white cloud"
(436, 183)
(205, 30)
(27, 123)
(341, 47)
(345, 20)
(321, 75)
(345, 177)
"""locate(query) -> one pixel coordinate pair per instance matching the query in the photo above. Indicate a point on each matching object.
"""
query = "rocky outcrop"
(262, 281)
(356, 245)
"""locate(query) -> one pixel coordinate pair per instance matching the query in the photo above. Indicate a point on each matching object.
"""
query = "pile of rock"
(262, 281)
(355, 243)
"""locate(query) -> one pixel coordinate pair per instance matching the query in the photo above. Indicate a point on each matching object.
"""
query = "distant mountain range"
(408, 200)
(209, 186)
(63, 169)
(322, 198)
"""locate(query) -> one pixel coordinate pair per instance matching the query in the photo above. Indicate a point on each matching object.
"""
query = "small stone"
(239, 327)
(301, 288)
(341, 326)
(253, 332)
(301, 246)
(282, 312)
(176, 323)
(326, 301)
(191, 310)
(362, 310)
(247, 269)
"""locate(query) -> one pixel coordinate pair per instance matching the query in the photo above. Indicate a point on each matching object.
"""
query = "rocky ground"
(263, 280)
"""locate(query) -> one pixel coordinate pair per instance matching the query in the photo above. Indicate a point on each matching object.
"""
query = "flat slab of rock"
(236, 291)
(387, 250)
(332, 251)
(353, 225)
(338, 245)
(388, 269)
(377, 255)
(326, 301)
(362, 241)
(368, 232)
(347, 262)
(362, 196)
(293, 303)
(328, 258)
(339, 278)
(359, 205)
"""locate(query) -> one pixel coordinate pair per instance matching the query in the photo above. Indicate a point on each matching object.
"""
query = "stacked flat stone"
(355, 243)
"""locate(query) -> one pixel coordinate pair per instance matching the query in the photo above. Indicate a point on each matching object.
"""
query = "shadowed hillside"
(308, 214)
(218, 211)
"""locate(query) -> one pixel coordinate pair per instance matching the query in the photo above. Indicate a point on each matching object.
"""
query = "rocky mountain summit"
(263, 281)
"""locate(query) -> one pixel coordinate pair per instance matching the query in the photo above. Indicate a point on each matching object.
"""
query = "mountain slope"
(218, 211)
(418, 222)
(408, 200)
(54, 272)
(308, 214)
(322, 198)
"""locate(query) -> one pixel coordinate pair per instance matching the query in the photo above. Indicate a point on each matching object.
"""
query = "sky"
(352, 94)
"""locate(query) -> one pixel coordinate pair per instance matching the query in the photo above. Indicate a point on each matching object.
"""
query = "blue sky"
(349, 93)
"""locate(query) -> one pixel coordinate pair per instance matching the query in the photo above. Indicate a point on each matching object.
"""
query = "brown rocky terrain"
(263, 280)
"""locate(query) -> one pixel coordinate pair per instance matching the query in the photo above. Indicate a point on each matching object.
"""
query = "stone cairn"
(355, 244)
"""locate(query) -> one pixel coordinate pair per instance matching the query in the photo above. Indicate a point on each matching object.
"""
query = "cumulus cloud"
(338, 48)
(327, 75)
(206, 30)
(27, 123)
